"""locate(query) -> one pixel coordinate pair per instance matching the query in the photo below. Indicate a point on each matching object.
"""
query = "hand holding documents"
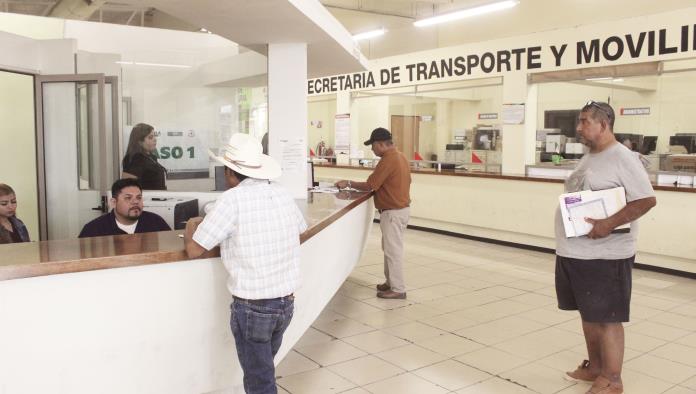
(600, 204)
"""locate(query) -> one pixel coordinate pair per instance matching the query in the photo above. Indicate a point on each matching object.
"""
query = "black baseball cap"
(379, 134)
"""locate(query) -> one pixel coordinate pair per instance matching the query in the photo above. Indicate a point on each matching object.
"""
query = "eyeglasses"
(595, 104)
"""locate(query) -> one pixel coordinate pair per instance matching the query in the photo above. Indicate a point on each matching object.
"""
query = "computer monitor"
(634, 140)
(566, 120)
(649, 144)
(688, 141)
(220, 181)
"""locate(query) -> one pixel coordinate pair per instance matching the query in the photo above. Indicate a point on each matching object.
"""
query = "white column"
(443, 135)
(287, 113)
(519, 141)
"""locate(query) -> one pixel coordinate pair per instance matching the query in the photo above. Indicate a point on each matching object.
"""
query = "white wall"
(18, 158)
(324, 112)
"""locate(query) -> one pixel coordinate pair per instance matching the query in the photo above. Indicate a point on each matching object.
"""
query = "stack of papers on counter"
(599, 204)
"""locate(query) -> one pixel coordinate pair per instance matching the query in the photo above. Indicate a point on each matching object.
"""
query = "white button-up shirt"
(257, 225)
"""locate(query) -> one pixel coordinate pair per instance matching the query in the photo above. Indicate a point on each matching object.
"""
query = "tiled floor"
(481, 318)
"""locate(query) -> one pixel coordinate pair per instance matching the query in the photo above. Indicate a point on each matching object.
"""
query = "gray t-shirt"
(613, 167)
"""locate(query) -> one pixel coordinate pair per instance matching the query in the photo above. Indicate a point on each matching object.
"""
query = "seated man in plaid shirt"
(257, 225)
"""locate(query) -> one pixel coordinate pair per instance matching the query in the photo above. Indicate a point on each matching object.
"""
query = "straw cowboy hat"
(244, 155)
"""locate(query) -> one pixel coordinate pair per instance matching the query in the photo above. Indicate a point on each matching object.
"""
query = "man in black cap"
(391, 182)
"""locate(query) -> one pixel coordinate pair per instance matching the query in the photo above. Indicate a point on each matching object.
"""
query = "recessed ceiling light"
(466, 13)
(369, 34)
(153, 64)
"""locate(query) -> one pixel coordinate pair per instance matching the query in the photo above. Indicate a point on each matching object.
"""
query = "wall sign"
(646, 45)
(180, 150)
(342, 133)
(635, 111)
(490, 115)
(513, 113)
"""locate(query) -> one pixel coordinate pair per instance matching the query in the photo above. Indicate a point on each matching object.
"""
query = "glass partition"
(654, 113)
(195, 98)
(447, 125)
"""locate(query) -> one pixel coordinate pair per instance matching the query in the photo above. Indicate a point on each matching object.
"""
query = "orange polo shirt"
(391, 181)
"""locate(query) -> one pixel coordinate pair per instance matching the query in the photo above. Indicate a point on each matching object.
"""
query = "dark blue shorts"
(599, 289)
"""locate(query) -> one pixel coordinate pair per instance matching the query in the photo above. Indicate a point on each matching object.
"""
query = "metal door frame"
(100, 80)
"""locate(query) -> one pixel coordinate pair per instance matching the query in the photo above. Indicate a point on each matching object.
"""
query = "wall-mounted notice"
(635, 111)
(293, 154)
(489, 115)
(513, 113)
(342, 134)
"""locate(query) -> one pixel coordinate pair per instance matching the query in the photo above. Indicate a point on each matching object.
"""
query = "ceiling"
(397, 16)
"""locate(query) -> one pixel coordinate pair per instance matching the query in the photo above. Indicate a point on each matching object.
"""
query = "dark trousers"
(258, 327)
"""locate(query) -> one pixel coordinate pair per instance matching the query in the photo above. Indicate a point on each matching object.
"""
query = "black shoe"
(383, 287)
(391, 295)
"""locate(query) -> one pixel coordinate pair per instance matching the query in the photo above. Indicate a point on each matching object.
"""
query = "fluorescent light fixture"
(369, 34)
(204, 30)
(599, 79)
(153, 64)
(466, 13)
(618, 80)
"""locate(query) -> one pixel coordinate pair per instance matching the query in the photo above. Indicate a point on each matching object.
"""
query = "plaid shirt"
(257, 225)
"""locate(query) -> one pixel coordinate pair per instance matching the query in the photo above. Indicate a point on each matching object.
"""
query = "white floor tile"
(452, 375)
(405, 384)
(366, 370)
(660, 368)
(294, 363)
(411, 357)
(538, 377)
(476, 315)
(495, 386)
(449, 345)
(318, 381)
(332, 352)
(375, 341)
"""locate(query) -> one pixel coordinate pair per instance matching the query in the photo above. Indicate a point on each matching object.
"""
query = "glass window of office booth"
(454, 123)
(654, 105)
(195, 99)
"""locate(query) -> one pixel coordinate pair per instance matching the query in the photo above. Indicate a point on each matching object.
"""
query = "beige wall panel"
(18, 158)
(523, 212)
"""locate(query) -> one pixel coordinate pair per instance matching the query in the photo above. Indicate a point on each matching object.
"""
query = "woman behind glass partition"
(140, 160)
(11, 228)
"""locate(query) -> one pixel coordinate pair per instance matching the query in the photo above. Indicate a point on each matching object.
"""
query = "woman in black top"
(141, 161)
(11, 229)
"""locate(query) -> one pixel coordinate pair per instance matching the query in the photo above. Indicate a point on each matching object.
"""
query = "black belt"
(263, 301)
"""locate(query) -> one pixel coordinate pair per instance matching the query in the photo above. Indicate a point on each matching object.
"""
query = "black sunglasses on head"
(595, 104)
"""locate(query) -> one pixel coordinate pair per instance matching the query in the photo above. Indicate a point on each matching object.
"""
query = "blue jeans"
(258, 327)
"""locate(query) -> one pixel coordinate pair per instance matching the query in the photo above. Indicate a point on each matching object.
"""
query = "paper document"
(600, 204)
(331, 189)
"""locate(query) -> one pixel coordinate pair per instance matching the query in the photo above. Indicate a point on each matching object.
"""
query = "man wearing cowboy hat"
(391, 181)
(257, 225)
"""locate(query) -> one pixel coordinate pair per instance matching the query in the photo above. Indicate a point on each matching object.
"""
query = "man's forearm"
(360, 185)
(632, 211)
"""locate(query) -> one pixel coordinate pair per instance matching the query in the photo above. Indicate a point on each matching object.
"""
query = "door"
(405, 134)
(78, 137)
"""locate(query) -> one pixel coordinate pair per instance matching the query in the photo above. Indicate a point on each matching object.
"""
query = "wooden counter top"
(24, 260)
(683, 189)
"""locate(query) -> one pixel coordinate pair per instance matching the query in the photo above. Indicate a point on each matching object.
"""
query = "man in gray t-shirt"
(593, 272)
